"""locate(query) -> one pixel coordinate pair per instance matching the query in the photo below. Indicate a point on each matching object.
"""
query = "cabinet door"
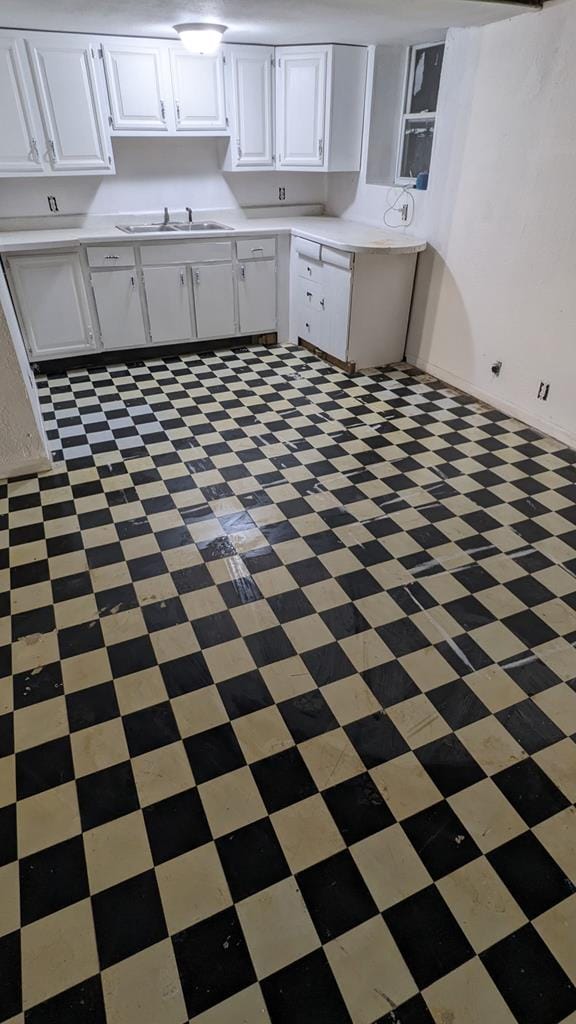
(119, 309)
(214, 301)
(65, 80)
(136, 86)
(52, 303)
(251, 82)
(257, 296)
(19, 149)
(198, 88)
(300, 107)
(168, 301)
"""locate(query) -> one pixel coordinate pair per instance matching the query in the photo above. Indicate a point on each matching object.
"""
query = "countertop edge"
(76, 237)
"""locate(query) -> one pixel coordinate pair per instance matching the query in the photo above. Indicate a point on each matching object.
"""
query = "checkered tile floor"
(287, 674)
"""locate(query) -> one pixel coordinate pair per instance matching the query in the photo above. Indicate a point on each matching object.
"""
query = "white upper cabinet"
(320, 94)
(300, 106)
(138, 89)
(198, 92)
(250, 86)
(66, 87)
(19, 135)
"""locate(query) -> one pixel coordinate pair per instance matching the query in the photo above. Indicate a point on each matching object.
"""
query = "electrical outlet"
(281, 192)
(496, 367)
(52, 204)
(404, 211)
(543, 391)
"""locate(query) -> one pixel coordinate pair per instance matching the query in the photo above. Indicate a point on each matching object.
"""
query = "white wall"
(23, 444)
(498, 279)
(152, 173)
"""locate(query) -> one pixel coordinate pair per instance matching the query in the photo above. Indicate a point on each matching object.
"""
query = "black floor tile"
(532, 983)
(305, 991)
(213, 961)
(128, 917)
(252, 859)
(176, 825)
(446, 947)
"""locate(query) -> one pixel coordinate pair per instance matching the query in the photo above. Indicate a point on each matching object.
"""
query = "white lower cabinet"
(168, 302)
(352, 308)
(257, 296)
(214, 300)
(119, 308)
(52, 303)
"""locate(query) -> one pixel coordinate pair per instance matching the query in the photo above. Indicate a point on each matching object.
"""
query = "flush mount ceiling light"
(200, 37)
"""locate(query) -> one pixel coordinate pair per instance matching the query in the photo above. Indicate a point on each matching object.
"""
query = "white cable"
(401, 197)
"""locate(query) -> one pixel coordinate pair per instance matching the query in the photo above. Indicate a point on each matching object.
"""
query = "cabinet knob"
(34, 151)
(162, 110)
(242, 273)
(182, 278)
(308, 295)
(52, 150)
(177, 110)
(197, 276)
(133, 280)
(323, 303)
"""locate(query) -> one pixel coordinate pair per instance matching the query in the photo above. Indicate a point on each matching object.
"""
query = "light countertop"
(335, 232)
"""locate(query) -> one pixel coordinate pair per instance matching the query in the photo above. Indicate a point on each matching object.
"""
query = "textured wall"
(23, 446)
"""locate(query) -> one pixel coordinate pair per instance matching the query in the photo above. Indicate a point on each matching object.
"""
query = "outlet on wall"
(52, 204)
(281, 192)
(543, 391)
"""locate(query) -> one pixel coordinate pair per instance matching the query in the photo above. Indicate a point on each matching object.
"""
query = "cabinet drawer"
(311, 250)
(185, 252)
(311, 326)
(110, 256)
(336, 258)
(309, 270)
(310, 296)
(255, 248)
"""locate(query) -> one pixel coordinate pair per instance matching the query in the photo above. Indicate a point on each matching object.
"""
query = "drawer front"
(337, 258)
(185, 252)
(310, 296)
(255, 248)
(311, 250)
(310, 270)
(311, 326)
(110, 256)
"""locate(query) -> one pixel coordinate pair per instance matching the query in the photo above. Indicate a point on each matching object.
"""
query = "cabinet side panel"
(381, 297)
(347, 107)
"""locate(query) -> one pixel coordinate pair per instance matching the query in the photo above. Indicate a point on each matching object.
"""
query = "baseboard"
(519, 413)
(29, 468)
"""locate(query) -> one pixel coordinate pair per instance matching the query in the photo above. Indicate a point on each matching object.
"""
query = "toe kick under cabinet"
(119, 296)
(352, 308)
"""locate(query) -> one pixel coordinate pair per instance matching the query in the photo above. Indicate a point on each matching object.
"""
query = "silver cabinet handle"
(308, 295)
(257, 248)
(177, 109)
(309, 269)
(52, 150)
(133, 280)
(320, 149)
(34, 151)
(182, 278)
(239, 149)
(323, 303)
(242, 273)
(111, 257)
(197, 276)
(162, 110)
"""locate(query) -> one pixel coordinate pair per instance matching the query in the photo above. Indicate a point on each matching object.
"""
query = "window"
(419, 111)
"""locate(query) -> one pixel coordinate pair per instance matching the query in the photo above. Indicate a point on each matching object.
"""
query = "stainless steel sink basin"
(200, 225)
(189, 228)
(145, 229)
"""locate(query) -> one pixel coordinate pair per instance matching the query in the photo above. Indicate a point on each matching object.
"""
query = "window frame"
(405, 115)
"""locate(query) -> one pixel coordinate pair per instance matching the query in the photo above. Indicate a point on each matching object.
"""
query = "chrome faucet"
(166, 219)
(189, 212)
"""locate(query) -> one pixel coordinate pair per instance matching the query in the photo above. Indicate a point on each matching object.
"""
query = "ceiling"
(260, 21)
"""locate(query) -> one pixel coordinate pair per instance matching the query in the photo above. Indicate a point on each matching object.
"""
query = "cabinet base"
(347, 367)
(138, 355)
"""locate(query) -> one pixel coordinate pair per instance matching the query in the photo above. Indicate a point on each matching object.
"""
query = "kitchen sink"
(145, 229)
(202, 225)
(191, 228)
